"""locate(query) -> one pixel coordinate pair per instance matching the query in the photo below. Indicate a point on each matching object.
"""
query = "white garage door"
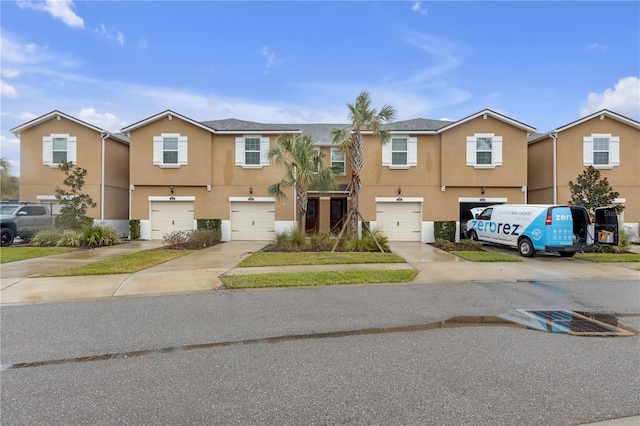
(399, 221)
(253, 220)
(168, 216)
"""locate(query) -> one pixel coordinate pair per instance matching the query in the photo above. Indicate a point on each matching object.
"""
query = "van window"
(486, 214)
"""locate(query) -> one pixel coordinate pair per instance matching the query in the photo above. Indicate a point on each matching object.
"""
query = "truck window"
(486, 214)
(34, 210)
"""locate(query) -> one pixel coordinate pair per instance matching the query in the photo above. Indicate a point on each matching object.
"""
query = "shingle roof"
(418, 125)
(235, 125)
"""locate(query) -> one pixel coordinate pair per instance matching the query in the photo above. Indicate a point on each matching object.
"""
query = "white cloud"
(624, 99)
(9, 144)
(15, 52)
(272, 59)
(10, 72)
(7, 90)
(598, 46)
(59, 9)
(113, 34)
(417, 7)
(105, 120)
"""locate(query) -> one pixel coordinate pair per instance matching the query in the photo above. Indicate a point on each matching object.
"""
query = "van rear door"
(606, 226)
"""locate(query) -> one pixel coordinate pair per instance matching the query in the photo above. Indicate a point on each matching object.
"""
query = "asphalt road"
(299, 356)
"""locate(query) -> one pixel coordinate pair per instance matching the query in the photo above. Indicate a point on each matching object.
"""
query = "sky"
(114, 63)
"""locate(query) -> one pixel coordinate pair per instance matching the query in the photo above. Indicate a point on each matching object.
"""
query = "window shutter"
(614, 151)
(412, 151)
(264, 151)
(47, 150)
(157, 150)
(471, 150)
(496, 148)
(386, 154)
(72, 149)
(239, 151)
(182, 150)
(587, 151)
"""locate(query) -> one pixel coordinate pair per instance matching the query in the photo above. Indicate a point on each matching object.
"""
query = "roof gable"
(168, 113)
(489, 113)
(50, 116)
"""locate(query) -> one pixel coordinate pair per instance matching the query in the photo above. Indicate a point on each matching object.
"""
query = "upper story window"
(337, 161)
(58, 148)
(252, 151)
(400, 153)
(484, 151)
(601, 151)
(170, 150)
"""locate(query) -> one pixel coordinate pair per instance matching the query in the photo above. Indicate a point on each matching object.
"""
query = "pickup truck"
(23, 220)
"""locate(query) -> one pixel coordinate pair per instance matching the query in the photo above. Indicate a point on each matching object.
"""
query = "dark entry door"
(338, 211)
(311, 225)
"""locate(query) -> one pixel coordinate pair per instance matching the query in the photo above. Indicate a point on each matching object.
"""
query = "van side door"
(606, 226)
(482, 225)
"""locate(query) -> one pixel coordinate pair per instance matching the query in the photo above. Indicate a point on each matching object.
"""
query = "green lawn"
(13, 254)
(295, 279)
(317, 258)
(609, 257)
(124, 264)
(485, 256)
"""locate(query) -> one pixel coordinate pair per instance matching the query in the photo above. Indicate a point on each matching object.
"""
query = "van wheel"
(567, 253)
(473, 236)
(525, 247)
(7, 236)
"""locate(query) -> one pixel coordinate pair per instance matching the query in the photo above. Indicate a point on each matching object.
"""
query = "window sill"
(169, 166)
(399, 167)
(52, 165)
(484, 166)
(602, 166)
(251, 166)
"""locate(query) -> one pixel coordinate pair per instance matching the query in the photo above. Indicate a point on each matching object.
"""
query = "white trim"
(399, 199)
(163, 115)
(49, 116)
(254, 199)
(493, 114)
(606, 113)
(171, 198)
(481, 200)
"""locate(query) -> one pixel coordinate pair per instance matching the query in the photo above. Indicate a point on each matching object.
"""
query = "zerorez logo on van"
(496, 227)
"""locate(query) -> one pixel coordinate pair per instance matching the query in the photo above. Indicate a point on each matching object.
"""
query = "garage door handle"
(253, 223)
(398, 223)
(173, 222)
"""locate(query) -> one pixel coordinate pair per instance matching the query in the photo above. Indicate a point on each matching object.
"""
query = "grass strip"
(485, 256)
(297, 279)
(609, 257)
(317, 258)
(14, 254)
(124, 264)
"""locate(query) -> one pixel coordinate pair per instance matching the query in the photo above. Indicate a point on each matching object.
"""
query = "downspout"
(103, 136)
(554, 136)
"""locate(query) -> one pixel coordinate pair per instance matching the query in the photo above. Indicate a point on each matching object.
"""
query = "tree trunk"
(356, 161)
(302, 200)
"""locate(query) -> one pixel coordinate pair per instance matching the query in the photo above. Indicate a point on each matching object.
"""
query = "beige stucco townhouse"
(432, 170)
(605, 140)
(48, 140)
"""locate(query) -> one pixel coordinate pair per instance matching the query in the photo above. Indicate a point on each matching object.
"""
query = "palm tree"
(363, 117)
(304, 169)
(9, 185)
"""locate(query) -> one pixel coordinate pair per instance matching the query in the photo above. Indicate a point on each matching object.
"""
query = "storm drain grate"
(564, 321)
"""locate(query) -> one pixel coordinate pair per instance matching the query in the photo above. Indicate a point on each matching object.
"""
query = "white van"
(554, 228)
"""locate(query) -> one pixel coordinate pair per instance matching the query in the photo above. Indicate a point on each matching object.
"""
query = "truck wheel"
(525, 247)
(7, 237)
(473, 236)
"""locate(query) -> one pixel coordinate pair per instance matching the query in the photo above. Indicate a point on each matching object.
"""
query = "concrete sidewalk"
(201, 270)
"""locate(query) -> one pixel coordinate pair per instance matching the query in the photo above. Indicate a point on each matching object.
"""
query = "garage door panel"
(399, 221)
(252, 221)
(169, 216)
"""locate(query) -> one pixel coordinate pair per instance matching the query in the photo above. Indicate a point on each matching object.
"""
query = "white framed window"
(252, 151)
(337, 161)
(601, 151)
(401, 152)
(484, 151)
(170, 150)
(57, 148)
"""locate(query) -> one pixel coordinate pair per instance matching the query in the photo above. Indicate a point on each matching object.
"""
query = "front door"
(337, 214)
(311, 225)
(606, 226)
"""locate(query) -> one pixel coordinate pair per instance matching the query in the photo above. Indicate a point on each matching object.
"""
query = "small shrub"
(445, 230)
(69, 238)
(213, 224)
(46, 238)
(98, 236)
(321, 241)
(176, 238)
(134, 229)
(383, 240)
(443, 244)
(69, 220)
(298, 238)
(203, 238)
